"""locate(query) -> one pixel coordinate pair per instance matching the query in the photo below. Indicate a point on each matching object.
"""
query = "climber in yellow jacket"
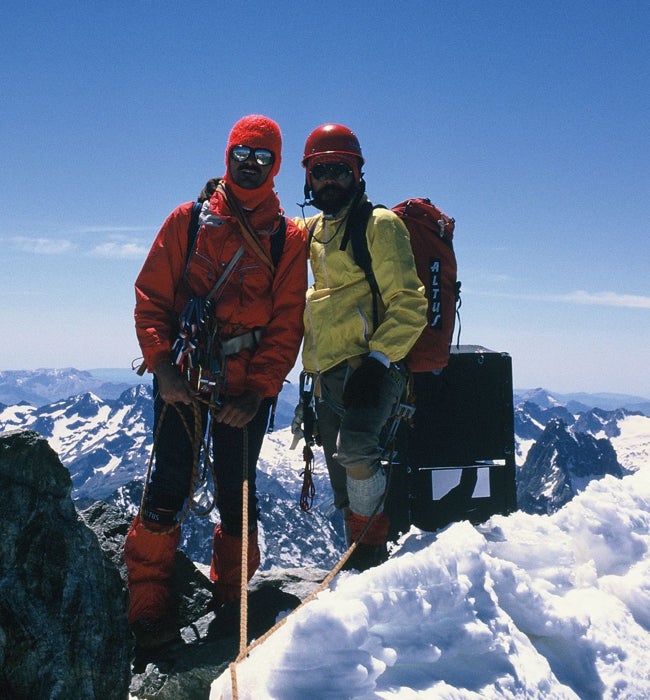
(355, 360)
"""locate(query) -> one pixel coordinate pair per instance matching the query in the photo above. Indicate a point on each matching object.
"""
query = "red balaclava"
(255, 131)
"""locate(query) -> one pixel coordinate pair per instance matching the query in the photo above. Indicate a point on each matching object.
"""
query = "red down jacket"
(252, 298)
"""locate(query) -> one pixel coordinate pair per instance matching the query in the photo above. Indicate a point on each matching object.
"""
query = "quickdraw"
(311, 436)
(308, 490)
(191, 322)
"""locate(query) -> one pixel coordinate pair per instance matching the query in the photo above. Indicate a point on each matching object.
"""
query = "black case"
(456, 461)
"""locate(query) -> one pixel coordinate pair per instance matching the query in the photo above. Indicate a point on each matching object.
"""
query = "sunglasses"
(242, 153)
(331, 171)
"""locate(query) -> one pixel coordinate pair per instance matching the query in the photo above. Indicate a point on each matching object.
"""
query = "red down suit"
(252, 298)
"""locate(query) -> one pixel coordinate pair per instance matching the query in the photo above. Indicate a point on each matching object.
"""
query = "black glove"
(364, 384)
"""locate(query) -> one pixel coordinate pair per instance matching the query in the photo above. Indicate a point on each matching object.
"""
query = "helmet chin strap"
(308, 201)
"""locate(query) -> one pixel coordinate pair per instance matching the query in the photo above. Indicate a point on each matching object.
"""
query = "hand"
(173, 387)
(364, 384)
(239, 410)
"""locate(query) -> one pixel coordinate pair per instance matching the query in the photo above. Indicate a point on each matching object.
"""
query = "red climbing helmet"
(331, 139)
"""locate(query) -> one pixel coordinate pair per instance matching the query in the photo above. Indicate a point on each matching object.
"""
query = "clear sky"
(526, 121)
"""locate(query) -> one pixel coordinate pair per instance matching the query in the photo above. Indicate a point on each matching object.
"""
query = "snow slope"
(524, 606)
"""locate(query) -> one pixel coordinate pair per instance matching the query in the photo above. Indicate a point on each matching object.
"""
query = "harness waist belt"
(245, 341)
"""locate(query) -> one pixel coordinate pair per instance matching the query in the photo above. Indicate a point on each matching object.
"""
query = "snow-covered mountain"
(44, 386)
(627, 431)
(560, 450)
(103, 443)
(106, 445)
(542, 607)
(560, 464)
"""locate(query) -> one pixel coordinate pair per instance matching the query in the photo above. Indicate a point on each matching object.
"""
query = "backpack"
(431, 234)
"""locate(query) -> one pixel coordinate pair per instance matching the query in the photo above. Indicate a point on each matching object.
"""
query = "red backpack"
(431, 233)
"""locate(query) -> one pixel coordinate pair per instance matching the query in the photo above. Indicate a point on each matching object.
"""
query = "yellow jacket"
(338, 313)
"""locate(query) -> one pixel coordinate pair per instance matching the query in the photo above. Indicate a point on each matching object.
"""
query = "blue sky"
(527, 122)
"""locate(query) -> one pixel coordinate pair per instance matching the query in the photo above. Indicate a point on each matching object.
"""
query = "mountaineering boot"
(225, 570)
(152, 634)
(149, 553)
(371, 550)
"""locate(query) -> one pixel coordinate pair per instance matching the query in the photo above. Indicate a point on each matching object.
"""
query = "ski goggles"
(331, 171)
(262, 156)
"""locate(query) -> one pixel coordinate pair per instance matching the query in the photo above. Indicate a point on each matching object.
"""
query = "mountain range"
(40, 387)
(105, 441)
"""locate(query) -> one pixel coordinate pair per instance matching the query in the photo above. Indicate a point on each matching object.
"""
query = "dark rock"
(559, 465)
(530, 419)
(63, 631)
(185, 671)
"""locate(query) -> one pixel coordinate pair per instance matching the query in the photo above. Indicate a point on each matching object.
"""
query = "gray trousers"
(352, 438)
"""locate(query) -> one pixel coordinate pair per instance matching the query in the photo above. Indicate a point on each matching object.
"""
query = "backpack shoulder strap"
(355, 232)
(277, 242)
(192, 230)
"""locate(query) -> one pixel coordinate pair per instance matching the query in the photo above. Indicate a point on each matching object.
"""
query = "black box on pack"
(458, 456)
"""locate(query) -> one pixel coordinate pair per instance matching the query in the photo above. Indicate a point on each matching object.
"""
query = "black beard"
(332, 198)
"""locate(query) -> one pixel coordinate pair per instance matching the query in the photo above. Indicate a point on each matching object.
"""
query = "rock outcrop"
(561, 464)
(63, 631)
